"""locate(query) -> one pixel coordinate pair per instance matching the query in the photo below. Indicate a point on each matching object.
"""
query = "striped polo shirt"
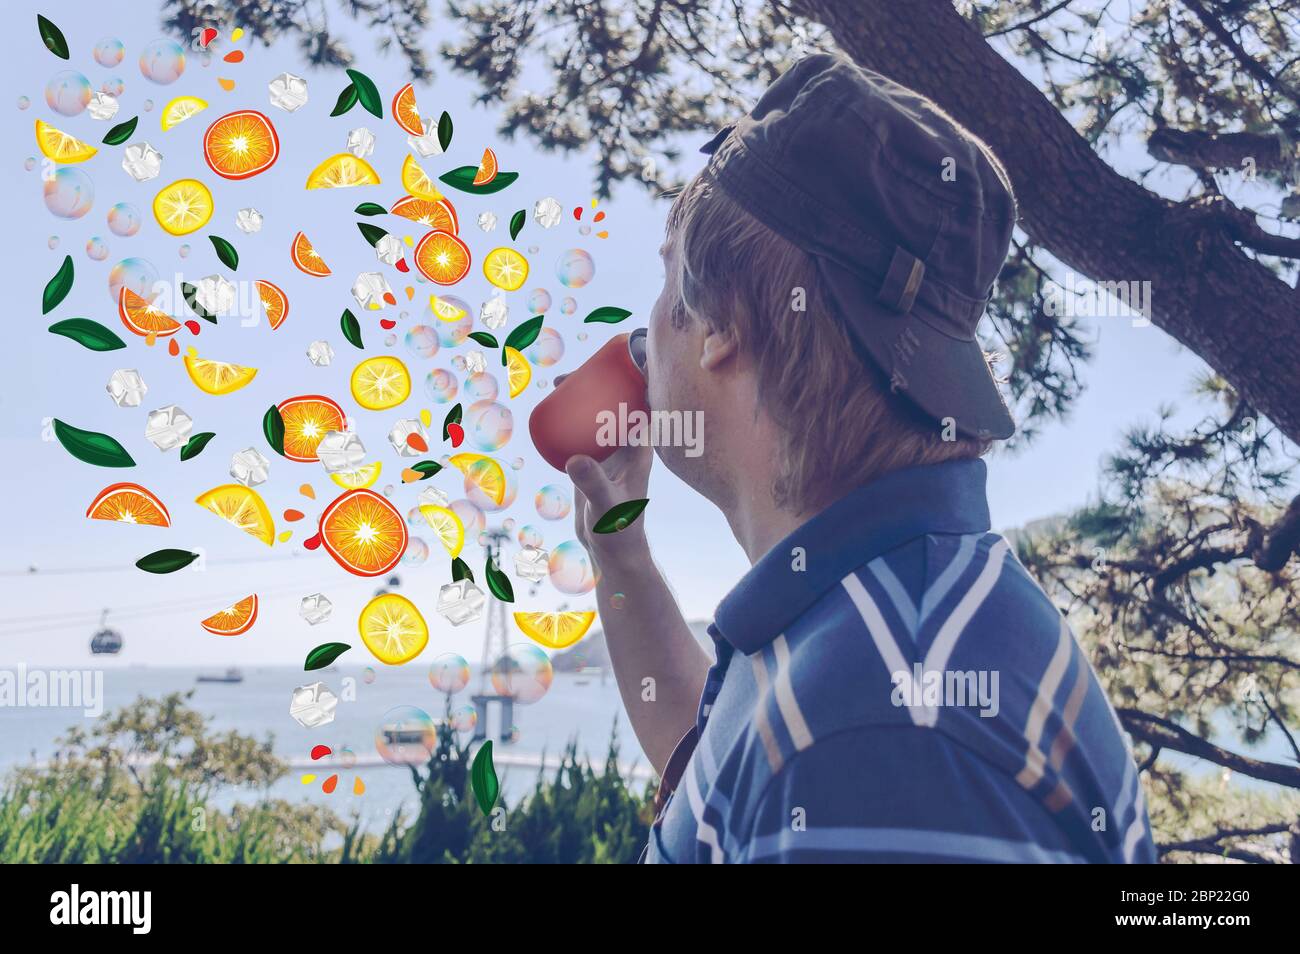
(892, 685)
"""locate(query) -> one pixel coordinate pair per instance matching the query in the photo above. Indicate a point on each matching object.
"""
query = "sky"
(84, 566)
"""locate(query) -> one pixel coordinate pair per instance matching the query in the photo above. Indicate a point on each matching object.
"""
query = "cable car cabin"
(106, 641)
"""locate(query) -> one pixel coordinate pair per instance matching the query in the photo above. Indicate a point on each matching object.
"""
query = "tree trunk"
(1205, 292)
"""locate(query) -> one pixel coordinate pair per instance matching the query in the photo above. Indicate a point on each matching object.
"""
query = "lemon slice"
(518, 371)
(417, 182)
(217, 377)
(445, 523)
(380, 383)
(57, 145)
(183, 207)
(362, 477)
(240, 507)
(393, 629)
(487, 474)
(444, 309)
(555, 630)
(180, 109)
(506, 269)
(341, 171)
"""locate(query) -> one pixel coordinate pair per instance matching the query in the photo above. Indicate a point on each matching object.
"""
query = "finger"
(591, 480)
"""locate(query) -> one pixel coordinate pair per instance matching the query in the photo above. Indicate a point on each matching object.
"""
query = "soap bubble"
(530, 536)
(96, 248)
(539, 301)
(508, 524)
(524, 673)
(568, 306)
(23, 102)
(584, 229)
(109, 51)
(68, 93)
(137, 274)
(570, 569)
(184, 250)
(406, 736)
(422, 341)
(553, 502)
(582, 336)
(347, 758)
(617, 600)
(547, 349)
(449, 673)
(470, 517)
(417, 551)
(113, 87)
(368, 675)
(517, 463)
(162, 61)
(488, 425)
(463, 719)
(69, 193)
(390, 340)
(575, 268)
(440, 384)
(481, 387)
(124, 219)
(29, 163)
(148, 105)
(475, 474)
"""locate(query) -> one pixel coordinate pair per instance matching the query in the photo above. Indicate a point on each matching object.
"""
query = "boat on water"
(230, 675)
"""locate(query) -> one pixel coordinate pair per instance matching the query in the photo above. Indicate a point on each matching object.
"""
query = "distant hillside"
(593, 652)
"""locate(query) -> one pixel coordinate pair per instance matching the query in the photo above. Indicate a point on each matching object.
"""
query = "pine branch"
(1156, 730)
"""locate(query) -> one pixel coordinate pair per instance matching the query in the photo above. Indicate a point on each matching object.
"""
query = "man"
(890, 684)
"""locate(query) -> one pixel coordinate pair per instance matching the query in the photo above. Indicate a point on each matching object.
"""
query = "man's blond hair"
(840, 423)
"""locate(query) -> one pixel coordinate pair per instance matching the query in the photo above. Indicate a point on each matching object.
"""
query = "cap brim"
(946, 377)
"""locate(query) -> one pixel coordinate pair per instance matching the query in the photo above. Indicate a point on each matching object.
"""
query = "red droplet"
(387, 324)
(390, 298)
(577, 212)
(311, 543)
(456, 433)
(599, 217)
(331, 783)
(207, 36)
(402, 266)
(418, 442)
(320, 751)
(293, 516)
(192, 326)
(173, 348)
(234, 56)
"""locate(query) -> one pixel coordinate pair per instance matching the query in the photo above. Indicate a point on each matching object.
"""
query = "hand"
(624, 475)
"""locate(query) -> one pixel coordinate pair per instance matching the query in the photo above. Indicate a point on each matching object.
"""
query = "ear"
(719, 348)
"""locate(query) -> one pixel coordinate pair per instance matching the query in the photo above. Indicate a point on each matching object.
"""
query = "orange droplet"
(285, 537)
(330, 784)
(410, 476)
(226, 84)
(602, 235)
(390, 298)
(293, 516)
(599, 217)
(358, 786)
(307, 491)
(173, 348)
(410, 292)
(234, 56)
(150, 339)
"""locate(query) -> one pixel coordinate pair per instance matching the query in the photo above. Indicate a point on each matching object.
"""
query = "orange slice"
(363, 532)
(307, 419)
(274, 302)
(417, 182)
(217, 377)
(555, 630)
(393, 629)
(306, 257)
(487, 169)
(241, 507)
(434, 213)
(129, 503)
(233, 620)
(442, 258)
(404, 111)
(241, 144)
(342, 171)
(142, 318)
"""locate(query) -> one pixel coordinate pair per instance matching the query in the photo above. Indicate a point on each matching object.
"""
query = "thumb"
(590, 478)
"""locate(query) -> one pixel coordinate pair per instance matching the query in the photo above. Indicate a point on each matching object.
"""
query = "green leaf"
(426, 468)
(194, 446)
(121, 132)
(58, 287)
(523, 336)
(191, 296)
(324, 654)
(370, 208)
(607, 314)
(226, 252)
(273, 429)
(620, 516)
(498, 582)
(483, 778)
(347, 99)
(453, 417)
(88, 334)
(463, 179)
(166, 561)
(485, 339)
(517, 224)
(92, 446)
(52, 37)
(351, 328)
(367, 93)
(460, 570)
(372, 233)
(444, 130)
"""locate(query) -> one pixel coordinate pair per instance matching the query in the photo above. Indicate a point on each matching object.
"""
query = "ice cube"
(248, 221)
(340, 451)
(428, 144)
(102, 105)
(390, 250)
(315, 608)
(433, 497)
(142, 161)
(371, 290)
(313, 705)
(320, 353)
(404, 429)
(531, 564)
(475, 363)
(547, 213)
(361, 142)
(461, 602)
(168, 427)
(288, 92)
(214, 294)
(249, 467)
(494, 312)
(487, 221)
(126, 388)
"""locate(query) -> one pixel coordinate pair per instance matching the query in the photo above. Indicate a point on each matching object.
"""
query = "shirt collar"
(871, 520)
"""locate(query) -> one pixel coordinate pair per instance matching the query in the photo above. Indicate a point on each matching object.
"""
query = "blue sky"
(47, 491)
